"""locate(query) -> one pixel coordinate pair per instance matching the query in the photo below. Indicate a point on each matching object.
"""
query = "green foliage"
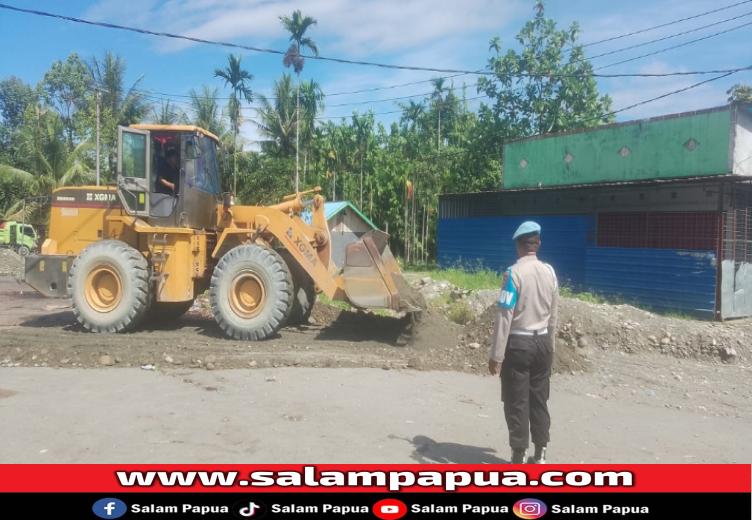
(392, 174)
(461, 313)
(67, 86)
(740, 94)
(15, 97)
(476, 280)
(556, 93)
(324, 299)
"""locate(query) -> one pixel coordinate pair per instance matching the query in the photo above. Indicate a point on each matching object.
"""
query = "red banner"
(640, 478)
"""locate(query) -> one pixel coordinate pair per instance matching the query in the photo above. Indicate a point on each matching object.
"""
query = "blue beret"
(526, 228)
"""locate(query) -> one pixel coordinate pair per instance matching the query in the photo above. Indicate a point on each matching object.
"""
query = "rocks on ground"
(10, 262)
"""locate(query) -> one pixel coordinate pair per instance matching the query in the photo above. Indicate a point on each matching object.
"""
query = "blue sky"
(429, 33)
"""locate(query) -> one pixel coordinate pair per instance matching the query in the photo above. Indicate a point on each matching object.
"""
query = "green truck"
(21, 238)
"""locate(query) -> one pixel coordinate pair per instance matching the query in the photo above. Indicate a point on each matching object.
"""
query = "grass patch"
(588, 296)
(461, 313)
(440, 303)
(678, 316)
(323, 298)
(475, 280)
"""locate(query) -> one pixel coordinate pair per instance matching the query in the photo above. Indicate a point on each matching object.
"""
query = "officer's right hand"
(493, 367)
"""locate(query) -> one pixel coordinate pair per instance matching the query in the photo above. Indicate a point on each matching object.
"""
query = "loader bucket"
(372, 278)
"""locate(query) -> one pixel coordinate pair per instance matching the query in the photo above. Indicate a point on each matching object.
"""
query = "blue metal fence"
(669, 280)
(487, 242)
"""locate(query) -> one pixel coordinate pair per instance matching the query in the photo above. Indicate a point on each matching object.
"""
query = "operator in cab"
(168, 174)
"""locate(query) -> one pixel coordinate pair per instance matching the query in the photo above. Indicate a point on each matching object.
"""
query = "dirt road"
(337, 394)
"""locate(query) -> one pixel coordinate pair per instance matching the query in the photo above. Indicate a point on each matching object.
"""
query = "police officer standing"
(523, 345)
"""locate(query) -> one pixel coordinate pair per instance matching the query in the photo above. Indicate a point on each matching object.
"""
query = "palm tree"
(297, 27)
(167, 114)
(438, 96)
(238, 79)
(412, 113)
(206, 111)
(277, 116)
(363, 127)
(120, 106)
(312, 101)
(55, 165)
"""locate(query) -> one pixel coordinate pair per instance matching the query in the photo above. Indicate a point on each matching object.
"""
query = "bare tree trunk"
(438, 141)
(407, 233)
(297, 135)
(414, 241)
(361, 181)
(305, 165)
(424, 235)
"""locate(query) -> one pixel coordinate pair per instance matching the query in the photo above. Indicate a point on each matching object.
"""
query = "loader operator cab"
(185, 156)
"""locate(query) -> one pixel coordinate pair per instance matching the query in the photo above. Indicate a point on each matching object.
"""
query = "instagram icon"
(529, 508)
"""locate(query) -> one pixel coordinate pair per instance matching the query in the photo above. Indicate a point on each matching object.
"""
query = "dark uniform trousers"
(525, 384)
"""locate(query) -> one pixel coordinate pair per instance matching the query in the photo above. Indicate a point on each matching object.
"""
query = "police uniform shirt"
(529, 301)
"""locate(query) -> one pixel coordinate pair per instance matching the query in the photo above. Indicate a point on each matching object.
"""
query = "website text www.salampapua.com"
(392, 480)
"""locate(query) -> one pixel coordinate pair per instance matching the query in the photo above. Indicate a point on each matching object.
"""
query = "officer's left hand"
(493, 367)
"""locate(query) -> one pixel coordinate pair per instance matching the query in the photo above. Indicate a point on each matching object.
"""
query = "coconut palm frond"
(10, 173)
(32, 213)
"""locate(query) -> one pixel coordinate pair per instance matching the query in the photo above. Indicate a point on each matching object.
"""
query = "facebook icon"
(109, 508)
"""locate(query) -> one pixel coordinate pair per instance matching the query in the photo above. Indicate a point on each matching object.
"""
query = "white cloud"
(359, 28)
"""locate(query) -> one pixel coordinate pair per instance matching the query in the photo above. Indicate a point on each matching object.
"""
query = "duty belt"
(540, 332)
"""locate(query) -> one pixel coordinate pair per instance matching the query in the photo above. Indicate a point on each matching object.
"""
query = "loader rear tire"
(304, 294)
(108, 287)
(251, 292)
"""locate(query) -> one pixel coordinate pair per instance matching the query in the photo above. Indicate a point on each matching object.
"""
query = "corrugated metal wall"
(670, 280)
(487, 242)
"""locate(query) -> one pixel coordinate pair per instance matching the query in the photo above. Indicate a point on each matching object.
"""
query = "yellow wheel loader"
(138, 250)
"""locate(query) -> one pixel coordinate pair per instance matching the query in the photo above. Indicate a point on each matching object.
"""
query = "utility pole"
(99, 99)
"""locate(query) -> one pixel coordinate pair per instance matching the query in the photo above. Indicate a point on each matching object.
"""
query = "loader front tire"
(304, 294)
(108, 287)
(251, 292)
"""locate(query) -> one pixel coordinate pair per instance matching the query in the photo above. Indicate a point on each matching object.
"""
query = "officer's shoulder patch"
(508, 296)
(553, 273)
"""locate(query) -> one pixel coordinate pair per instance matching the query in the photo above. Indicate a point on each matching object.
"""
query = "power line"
(665, 24)
(674, 46)
(322, 58)
(669, 37)
(232, 45)
(593, 119)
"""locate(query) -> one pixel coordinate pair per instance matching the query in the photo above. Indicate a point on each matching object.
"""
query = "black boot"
(540, 455)
(518, 456)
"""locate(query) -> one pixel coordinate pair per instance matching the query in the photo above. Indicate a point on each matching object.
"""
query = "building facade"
(655, 212)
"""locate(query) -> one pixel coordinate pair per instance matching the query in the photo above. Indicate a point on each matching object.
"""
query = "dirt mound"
(585, 326)
(408, 293)
(426, 330)
(10, 262)
(480, 332)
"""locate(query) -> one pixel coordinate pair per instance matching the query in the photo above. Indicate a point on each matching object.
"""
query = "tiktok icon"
(249, 509)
